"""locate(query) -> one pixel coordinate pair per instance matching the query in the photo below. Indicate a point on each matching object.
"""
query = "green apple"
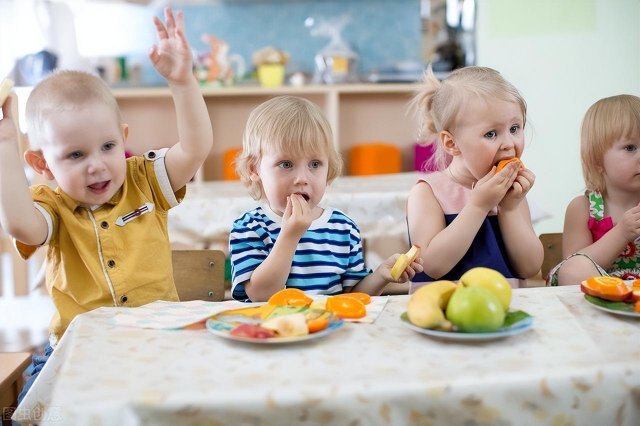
(491, 280)
(475, 310)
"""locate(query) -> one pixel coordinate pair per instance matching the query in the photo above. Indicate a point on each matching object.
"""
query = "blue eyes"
(289, 164)
(492, 134)
(108, 146)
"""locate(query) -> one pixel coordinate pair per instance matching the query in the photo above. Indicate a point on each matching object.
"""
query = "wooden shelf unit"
(358, 113)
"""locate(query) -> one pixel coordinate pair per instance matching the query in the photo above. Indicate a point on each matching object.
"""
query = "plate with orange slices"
(613, 295)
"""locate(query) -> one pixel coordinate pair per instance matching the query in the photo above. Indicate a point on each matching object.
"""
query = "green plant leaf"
(616, 306)
(513, 317)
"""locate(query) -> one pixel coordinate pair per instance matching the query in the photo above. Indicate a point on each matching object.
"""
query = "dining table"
(575, 365)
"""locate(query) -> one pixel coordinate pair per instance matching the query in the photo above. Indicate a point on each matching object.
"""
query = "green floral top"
(626, 265)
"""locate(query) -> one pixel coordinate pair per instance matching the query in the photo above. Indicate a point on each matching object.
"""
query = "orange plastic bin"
(374, 158)
(229, 164)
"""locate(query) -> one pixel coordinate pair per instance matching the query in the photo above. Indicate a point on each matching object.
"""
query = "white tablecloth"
(577, 366)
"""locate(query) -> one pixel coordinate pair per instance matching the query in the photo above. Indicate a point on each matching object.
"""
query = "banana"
(5, 88)
(404, 260)
(426, 306)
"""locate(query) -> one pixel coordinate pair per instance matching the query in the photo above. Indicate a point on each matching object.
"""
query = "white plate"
(517, 328)
(223, 328)
(614, 311)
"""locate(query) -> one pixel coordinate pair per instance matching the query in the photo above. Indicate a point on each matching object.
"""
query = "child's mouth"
(305, 196)
(99, 187)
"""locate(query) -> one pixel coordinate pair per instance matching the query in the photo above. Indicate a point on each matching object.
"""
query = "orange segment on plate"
(502, 164)
(290, 297)
(608, 288)
(363, 297)
(346, 307)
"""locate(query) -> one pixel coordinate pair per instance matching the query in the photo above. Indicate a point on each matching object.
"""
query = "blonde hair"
(286, 124)
(64, 91)
(606, 121)
(437, 104)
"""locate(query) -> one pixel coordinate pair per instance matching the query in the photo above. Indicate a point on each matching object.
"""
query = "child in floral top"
(602, 227)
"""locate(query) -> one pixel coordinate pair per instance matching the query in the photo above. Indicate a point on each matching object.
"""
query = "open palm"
(172, 56)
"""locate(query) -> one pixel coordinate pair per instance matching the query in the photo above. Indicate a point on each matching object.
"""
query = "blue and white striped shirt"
(328, 258)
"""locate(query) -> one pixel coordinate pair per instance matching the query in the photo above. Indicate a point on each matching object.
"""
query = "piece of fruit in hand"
(404, 261)
(503, 163)
(5, 88)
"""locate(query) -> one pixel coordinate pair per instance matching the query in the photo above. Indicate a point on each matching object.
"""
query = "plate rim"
(331, 328)
(514, 329)
(612, 311)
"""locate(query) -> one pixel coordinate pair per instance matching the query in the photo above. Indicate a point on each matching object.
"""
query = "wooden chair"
(12, 365)
(552, 244)
(199, 274)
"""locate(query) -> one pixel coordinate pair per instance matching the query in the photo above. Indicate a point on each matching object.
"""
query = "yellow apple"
(491, 280)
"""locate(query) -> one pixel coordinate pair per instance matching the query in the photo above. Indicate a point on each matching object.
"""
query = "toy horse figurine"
(218, 61)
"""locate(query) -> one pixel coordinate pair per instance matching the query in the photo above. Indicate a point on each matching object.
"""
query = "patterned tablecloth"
(576, 366)
(376, 203)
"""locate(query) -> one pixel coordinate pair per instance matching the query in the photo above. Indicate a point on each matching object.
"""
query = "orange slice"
(502, 164)
(346, 307)
(363, 297)
(290, 297)
(608, 288)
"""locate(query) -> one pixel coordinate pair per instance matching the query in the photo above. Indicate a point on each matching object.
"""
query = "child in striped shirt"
(287, 161)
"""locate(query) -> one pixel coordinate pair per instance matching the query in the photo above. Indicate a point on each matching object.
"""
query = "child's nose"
(301, 176)
(96, 165)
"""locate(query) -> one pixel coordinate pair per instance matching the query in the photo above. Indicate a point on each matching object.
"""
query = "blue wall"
(380, 31)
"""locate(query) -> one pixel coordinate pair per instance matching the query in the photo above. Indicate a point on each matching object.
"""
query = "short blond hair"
(606, 121)
(64, 91)
(287, 124)
(437, 104)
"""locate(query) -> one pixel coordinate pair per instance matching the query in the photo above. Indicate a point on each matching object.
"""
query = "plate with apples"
(613, 295)
(474, 309)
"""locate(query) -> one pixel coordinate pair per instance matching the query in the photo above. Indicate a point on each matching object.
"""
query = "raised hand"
(630, 223)
(8, 130)
(171, 57)
(297, 216)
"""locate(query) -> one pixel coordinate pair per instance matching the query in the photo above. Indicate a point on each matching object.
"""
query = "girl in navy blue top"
(467, 214)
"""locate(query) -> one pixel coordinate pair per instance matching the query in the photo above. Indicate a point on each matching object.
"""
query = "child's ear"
(253, 173)
(36, 160)
(449, 144)
(125, 131)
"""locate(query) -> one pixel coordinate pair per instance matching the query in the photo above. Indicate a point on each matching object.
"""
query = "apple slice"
(404, 260)
(5, 88)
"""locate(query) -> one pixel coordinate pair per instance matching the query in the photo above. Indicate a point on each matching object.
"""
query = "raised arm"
(172, 58)
(18, 216)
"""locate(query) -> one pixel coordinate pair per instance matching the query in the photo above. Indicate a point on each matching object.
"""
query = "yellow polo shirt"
(117, 254)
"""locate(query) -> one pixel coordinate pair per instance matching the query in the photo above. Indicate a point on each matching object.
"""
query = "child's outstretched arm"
(521, 242)
(173, 60)
(375, 282)
(18, 216)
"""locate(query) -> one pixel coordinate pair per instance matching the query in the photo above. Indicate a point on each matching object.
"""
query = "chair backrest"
(199, 274)
(552, 244)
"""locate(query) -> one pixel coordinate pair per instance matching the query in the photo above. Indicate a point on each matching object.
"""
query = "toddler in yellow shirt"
(105, 224)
